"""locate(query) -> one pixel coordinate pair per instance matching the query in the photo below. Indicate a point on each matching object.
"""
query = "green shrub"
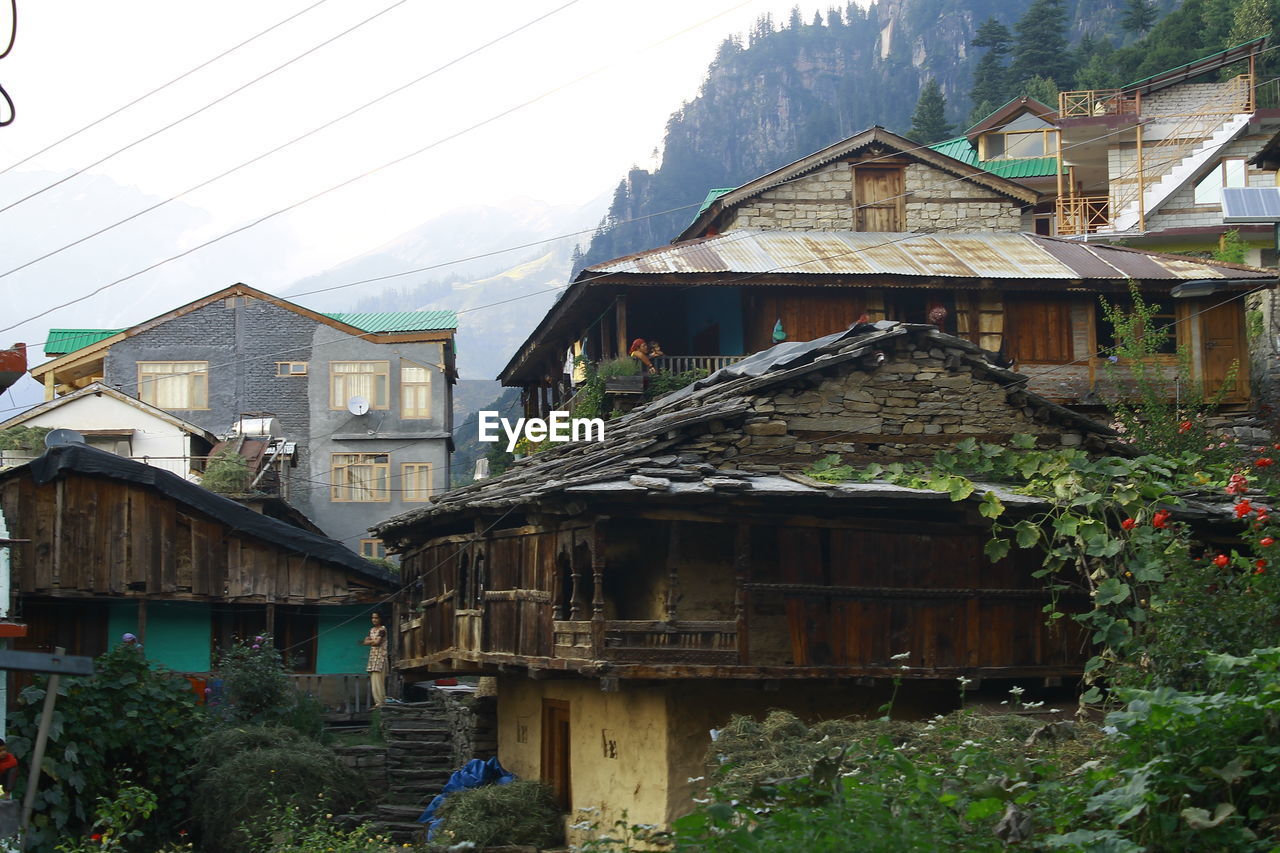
(295, 829)
(664, 382)
(621, 366)
(257, 690)
(128, 714)
(517, 813)
(248, 773)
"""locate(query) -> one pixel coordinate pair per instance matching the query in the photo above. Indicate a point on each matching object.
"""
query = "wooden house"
(1033, 298)
(113, 546)
(632, 593)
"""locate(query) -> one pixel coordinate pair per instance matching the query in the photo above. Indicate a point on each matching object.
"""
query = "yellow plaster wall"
(631, 724)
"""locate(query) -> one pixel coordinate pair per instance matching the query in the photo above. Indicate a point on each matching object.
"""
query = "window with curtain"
(415, 481)
(360, 477)
(368, 379)
(415, 390)
(174, 384)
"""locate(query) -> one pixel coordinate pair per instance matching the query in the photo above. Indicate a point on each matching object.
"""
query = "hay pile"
(512, 814)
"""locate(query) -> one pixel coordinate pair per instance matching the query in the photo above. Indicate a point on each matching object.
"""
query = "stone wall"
(921, 399)
(934, 200)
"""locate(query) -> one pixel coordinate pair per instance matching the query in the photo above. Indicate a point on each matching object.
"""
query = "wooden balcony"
(685, 363)
(1083, 214)
(1096, 102)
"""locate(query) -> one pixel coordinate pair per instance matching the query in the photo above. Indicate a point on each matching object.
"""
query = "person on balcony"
(640, 352)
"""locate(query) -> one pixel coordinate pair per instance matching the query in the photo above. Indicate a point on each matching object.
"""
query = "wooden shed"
(118, 546)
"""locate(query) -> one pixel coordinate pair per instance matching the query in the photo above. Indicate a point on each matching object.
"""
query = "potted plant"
(621, 376)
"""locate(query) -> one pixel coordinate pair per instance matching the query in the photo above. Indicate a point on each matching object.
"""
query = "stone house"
(633, 593)
(363, 400)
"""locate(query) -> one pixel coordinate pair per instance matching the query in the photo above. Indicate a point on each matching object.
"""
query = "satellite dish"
(358, 405)
(63, 437)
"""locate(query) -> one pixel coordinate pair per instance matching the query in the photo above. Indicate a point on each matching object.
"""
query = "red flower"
(1160, 519)
(1243, 508)
(1264, 462)
(1266, 541)
(1221, 561)
(1261, 564)
(1261, 570)
(1237, 485)
(1184, 426)
(97, 836)
(1128, 524)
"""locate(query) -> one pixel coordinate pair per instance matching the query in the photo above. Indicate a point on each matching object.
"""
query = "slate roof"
(650, 441)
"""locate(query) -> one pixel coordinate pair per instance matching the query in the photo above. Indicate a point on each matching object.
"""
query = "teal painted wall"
(338, 649)
(178, 634)
(707, 305)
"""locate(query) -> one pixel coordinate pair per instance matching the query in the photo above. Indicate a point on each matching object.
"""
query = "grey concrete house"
(363, 402)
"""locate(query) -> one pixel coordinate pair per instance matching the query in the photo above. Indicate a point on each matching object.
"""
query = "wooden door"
(1222, 349)
(555, 749)
(878, 195)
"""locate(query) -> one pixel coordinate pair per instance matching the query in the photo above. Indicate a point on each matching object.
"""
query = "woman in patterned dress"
(377, 643)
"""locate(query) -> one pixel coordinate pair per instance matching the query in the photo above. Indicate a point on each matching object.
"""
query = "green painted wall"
(338, 649)
(178, 634)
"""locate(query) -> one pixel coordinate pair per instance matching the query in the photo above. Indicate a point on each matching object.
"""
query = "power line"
(366, 105)
(207, 106)
(157, 89)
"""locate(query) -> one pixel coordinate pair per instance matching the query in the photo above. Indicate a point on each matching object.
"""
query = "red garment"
(7, 762)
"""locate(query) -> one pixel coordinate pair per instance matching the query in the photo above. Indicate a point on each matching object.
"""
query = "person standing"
(377, 643)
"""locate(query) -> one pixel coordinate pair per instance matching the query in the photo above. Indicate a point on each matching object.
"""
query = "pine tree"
(1138, 16)
(929, 121)
(1041, 44)
(990, 84)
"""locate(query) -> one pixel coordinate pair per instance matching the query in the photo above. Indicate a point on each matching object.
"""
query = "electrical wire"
(157, 89)
(202, 109)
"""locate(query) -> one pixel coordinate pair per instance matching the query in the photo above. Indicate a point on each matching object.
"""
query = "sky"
(556, 112)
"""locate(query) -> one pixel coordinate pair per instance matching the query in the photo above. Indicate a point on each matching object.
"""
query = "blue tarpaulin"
(474, 774)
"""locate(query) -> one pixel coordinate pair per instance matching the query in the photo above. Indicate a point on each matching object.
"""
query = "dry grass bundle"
(516, 813)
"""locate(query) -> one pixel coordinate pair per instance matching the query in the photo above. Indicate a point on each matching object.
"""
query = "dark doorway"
(555, 749)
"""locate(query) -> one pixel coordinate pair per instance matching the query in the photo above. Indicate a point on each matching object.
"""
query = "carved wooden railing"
(649, 641)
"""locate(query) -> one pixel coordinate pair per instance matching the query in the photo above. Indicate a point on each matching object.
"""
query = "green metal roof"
(962, 149)
(712, 195)
(399, 321)
(63, 341)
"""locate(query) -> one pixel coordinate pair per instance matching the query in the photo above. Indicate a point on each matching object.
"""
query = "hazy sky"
(76, 60)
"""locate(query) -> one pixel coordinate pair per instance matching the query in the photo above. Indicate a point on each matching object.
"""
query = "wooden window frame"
(1015, 338)
(286, 368)
(198, 384)
(407, 471)
(405, 412)
(1049, 145)
(382, 374)
(373, 549)
(339, 492)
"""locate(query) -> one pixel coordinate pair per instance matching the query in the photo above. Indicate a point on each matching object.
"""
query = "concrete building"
(366, 398)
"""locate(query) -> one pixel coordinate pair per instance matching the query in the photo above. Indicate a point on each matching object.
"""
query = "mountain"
(513, 288)
(782, 93)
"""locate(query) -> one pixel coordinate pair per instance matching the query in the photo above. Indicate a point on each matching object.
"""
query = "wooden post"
(271, 619)
(1142, 207)
(575, 577)
(597, 599)
(50, 386)
(37, 755)
(1059, 204)
(741, 573)
(673, 569)
(620, 308)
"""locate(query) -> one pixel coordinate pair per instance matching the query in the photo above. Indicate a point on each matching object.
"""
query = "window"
(415, 390)
(373, 549)
(1025, 136)
(360, 477)
(292, 368)
(1038, 329)
(1163, 319)
(415, 481)
(1230, 172)
(368, 379)
(174, 384)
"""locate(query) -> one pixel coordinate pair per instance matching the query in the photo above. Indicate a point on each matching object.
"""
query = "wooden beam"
(620, 308)
(741, 576)
(674, 556)
(597, 597)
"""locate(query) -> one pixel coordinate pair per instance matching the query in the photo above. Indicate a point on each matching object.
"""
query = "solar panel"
(1250, 204)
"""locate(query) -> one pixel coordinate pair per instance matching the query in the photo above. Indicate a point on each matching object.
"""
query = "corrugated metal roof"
(399, 321)
(945, 255)
(63, 341)
(962, 149)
